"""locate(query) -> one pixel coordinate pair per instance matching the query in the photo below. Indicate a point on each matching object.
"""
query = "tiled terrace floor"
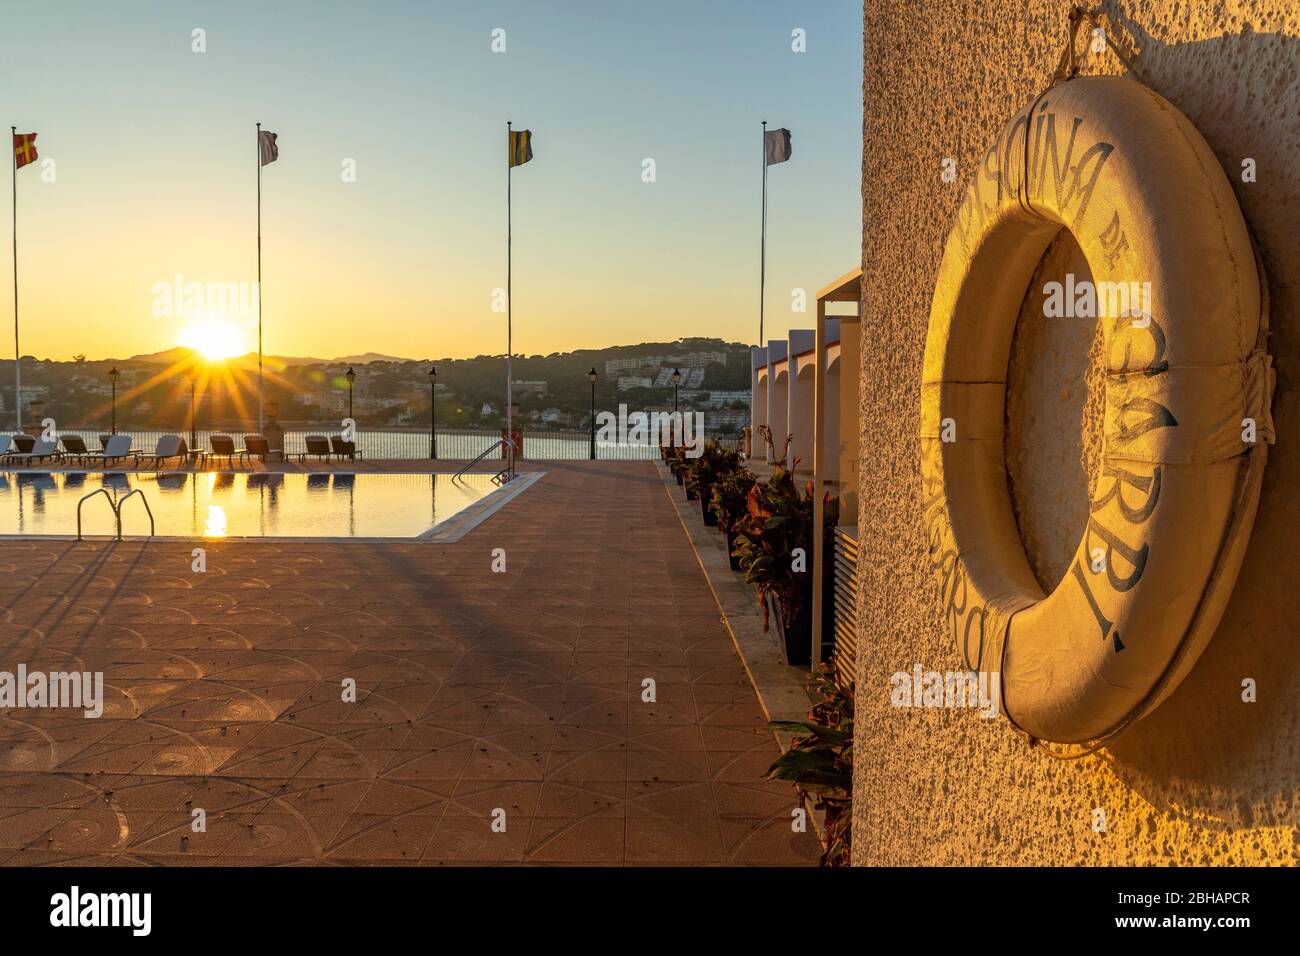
(475, 691)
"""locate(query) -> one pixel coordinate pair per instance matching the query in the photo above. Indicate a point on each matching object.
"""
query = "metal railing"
(116, 506)
(455, 445)
(500, 443)
(85, 498)
(144, 501)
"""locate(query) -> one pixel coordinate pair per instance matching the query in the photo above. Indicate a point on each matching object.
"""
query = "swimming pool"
(339, 505)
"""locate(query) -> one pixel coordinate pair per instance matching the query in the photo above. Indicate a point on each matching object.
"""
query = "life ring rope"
(1069, 65)
(1067, 68)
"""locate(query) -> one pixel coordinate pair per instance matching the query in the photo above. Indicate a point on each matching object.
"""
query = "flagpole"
(762, 265)
(510, 431)
(18, 370)
(260, 423)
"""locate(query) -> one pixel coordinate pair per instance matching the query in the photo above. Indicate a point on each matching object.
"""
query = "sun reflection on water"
(216, 526)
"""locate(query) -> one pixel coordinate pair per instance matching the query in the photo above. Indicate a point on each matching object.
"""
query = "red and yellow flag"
(521, 146)
(24, 149)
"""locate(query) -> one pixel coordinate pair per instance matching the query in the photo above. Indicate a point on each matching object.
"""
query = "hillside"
(153, 390)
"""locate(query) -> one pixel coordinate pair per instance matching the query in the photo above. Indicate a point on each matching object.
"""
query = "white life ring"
(1147, 201)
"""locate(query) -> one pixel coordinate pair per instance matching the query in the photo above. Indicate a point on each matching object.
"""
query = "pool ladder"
(502, 476)
(117, 509)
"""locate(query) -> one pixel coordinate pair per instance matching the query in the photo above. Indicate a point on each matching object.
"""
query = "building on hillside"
(626, 382)
(535, 387)
(326, 399)
(725, 421)
(614, 366)
(697, 359)
(691, 378)
(721, 399)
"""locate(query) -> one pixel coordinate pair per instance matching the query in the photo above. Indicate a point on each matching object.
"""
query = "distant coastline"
(552, 392)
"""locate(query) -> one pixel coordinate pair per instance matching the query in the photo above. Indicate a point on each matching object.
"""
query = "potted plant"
(676, 458)
(778, 519)
(713, 462)
(728, 501)
(820, 764)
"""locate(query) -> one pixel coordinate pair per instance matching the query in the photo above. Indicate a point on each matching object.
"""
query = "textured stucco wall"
(1206, 778)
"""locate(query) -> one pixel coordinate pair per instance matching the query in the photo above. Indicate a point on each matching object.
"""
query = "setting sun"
(214, 339)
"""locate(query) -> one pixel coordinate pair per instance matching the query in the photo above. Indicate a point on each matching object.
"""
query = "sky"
(154, 172)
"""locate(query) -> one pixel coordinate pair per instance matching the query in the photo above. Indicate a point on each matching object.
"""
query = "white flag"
(266, 147)
(776, 146)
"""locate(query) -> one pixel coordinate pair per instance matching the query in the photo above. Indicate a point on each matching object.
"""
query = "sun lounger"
(74, 448)
(116, 448)
(318, 446)
(344, 449)
(40, 451)
(223, 446)
(169, 446)
(256, 446)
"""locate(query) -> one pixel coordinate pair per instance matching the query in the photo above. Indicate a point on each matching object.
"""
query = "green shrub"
(713, 462)
(820, 764)
(730, 497)
(777, 520)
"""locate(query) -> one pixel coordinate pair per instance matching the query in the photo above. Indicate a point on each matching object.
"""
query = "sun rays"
(228, 376)
(214, 338)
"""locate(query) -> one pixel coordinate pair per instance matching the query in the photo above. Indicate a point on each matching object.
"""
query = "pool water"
(258, 505)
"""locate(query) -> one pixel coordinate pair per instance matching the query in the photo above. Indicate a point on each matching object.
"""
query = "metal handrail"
(487, 451)
(149, 511)
(117, 509)
(85, 498)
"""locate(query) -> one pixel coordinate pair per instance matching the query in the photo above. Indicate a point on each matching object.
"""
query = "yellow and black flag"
(24, 149)
(521, 146)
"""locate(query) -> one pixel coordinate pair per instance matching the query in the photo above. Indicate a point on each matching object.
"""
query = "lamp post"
(677, 380)
(351, 376)
(591, 377)
(433, 412)
(113, 376)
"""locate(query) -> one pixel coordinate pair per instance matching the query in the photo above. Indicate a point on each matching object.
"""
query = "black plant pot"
(798, 637)
(680, 479)
(731, 546)
(710, 519)
(690, 494)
